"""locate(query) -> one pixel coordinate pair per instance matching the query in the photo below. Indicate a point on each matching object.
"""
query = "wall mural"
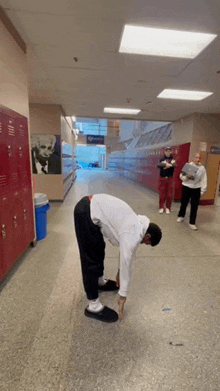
(45, 152)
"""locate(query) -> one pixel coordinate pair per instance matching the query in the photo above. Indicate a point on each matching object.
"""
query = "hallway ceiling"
(74, 60)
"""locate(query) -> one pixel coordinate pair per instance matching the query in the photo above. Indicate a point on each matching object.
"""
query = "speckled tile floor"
(46, 342)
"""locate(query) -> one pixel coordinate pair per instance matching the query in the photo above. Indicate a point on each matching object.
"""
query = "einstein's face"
(45, 148)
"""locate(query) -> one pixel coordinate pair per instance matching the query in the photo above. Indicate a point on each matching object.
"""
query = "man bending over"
(100, 217)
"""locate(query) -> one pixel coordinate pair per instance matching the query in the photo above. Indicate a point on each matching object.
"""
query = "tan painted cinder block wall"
(183, 131)
(13, 74)
(206, 129)
(45, 119)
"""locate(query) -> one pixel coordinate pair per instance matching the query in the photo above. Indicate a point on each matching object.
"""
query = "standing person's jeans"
(91, 247)
(165, 192)
(193, 195)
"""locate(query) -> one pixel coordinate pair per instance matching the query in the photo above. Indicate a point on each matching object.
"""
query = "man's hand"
(121, 303)
(117, 280)
(168, 165)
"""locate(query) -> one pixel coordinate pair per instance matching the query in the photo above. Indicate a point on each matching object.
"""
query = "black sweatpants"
(194, 195)
(91, 247)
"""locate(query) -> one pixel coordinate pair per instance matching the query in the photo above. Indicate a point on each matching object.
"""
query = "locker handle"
(9, 150)
(25, 214)
(20, 152)
(3, 231)
(15, 222)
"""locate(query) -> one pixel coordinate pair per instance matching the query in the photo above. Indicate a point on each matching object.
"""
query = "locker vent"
(0, 127)
(3, 180)
(21, 131)
(11, 128)
(15, 177)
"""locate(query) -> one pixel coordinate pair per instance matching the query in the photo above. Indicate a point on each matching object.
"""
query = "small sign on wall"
(91, 139)
(203, 146)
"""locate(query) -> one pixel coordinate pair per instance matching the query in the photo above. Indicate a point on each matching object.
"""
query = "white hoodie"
(200, 179)
(122, 227)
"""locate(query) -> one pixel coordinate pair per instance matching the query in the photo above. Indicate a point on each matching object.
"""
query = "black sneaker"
(105, 315)
(110, 285)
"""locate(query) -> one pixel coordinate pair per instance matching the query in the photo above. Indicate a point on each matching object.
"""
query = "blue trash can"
(41, 208)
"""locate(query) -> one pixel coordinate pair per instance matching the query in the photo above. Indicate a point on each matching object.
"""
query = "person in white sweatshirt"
(103, 217)
(193, 187)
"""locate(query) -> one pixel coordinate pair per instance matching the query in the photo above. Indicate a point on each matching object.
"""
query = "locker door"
(25, 180)
(28, 218)
(4, 157)
(12, 147)
(17, 223)
(24, 170)
(16, 204)
(22, 130)
(4, 168)
(6, 235)
(212, 169)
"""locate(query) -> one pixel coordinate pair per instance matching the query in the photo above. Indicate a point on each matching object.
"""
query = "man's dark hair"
(155, 233)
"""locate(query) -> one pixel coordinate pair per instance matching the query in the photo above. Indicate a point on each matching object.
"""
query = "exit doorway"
(90, 157)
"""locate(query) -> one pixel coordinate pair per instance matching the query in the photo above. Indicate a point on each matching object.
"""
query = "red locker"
(6, 235)
(24, 171)
(27, 215)
(4, 157)
(16, 203)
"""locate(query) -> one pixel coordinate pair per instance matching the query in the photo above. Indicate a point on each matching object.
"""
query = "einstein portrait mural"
(45, 152)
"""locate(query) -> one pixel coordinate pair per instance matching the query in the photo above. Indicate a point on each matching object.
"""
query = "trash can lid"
(40, 199)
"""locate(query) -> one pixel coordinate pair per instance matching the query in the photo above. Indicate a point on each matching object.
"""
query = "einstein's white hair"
(38, 139)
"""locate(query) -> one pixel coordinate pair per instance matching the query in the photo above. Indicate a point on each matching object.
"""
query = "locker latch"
(3, 231)
(25, 214)
(9, 150)
(15, 222)
(20, 152)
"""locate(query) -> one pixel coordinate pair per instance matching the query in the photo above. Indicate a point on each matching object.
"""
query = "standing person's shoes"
(180, 219)
(105, 315)
(161, 210)
(193, 226)
(167, 211)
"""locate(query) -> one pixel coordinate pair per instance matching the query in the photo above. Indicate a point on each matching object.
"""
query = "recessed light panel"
(184, 94)
(121, 111)
(163, 42)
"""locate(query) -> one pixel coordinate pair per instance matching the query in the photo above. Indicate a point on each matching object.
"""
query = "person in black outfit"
(193, 187)
(166, 165)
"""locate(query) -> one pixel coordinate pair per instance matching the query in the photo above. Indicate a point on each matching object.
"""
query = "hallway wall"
(13, 74)
(137, 160)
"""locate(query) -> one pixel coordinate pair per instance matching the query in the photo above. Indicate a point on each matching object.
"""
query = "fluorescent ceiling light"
(184, 94)
(163, 42)
(121, 111)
